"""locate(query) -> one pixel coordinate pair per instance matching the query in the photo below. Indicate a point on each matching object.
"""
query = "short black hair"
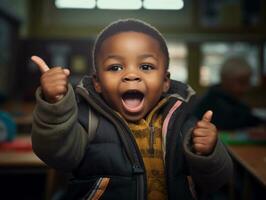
(127, 25)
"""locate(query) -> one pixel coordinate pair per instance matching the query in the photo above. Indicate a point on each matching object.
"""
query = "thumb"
(40, 63)
(207, 116)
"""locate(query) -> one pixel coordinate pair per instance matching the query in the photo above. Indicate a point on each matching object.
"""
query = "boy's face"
(131, 74)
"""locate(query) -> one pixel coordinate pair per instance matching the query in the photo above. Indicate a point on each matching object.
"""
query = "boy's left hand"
(204, 135)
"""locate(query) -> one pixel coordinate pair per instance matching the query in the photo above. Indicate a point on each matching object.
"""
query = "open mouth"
(133, 100)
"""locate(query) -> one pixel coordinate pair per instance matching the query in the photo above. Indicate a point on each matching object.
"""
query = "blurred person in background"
(226, 98)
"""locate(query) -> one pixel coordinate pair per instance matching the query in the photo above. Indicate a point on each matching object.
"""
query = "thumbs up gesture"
(53, 81)
(204, 135)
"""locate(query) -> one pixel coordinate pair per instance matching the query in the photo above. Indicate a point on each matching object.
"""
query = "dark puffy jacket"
(111, 165)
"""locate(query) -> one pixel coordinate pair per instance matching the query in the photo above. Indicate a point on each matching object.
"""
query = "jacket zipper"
(138, 164)
(151, 140)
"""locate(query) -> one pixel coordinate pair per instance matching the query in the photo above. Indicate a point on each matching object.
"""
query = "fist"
(53, 81)
(204, 136)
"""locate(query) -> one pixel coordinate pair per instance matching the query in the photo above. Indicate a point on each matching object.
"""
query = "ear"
(166, 82)
(96, 83)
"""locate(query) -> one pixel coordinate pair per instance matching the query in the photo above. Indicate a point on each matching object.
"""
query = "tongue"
(132, 102)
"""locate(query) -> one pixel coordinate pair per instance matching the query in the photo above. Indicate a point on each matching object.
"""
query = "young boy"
(128, 134)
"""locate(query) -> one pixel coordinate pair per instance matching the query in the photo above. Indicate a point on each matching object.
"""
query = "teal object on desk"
(240, 138)
(8, 128)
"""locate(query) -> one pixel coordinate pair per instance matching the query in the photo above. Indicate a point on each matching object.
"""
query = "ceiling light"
(81, 4)
(163, 4)
(119, 4)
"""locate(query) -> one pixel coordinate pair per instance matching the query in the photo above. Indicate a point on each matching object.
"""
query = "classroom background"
(201, 35)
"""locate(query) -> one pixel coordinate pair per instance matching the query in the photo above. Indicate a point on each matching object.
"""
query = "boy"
(144, 145)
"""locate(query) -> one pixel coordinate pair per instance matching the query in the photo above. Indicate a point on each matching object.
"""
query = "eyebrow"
(118, 57)
(113, 56)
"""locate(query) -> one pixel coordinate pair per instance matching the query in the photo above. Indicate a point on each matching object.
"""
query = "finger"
(53, 84)
(59, 70)
(40, 63)
(57, 90)
(207, 116)
(55, 75)
(59, 97)
(200, 140)
(205, 125)
(199, 148)
(66, 71)
(200, 132)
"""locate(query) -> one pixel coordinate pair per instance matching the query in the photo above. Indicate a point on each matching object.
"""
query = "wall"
(41, 20)
(85, 23)
(19, 10)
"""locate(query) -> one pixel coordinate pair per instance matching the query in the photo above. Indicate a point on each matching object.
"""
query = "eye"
(115, 68)
(146, 67)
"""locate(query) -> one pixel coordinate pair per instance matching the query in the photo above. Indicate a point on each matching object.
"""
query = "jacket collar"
(180, 90)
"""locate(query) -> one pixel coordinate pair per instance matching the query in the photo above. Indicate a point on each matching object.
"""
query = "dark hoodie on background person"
(230, 113)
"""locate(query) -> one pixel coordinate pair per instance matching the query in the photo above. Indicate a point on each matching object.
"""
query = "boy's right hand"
(53, 81)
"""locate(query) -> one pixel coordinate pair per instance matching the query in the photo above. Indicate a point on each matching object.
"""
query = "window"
(214, 54)
(178, 61)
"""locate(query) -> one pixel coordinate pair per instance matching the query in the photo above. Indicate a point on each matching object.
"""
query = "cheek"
(108, 87)
(154, 92)
(156, 84)
(107, 82)
(109, 93)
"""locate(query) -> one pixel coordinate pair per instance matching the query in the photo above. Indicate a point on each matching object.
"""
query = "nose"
(131, 77)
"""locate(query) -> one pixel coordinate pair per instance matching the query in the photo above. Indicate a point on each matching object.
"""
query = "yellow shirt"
(148, 135)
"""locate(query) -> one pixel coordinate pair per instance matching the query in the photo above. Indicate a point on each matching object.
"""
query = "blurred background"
(201, 35)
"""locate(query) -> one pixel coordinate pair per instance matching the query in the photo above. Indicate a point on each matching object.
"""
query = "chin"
(133, 118)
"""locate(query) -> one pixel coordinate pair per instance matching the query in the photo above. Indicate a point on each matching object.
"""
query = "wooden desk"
(252, 158)
(13, 161)
(249, 180)
(20, 158)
